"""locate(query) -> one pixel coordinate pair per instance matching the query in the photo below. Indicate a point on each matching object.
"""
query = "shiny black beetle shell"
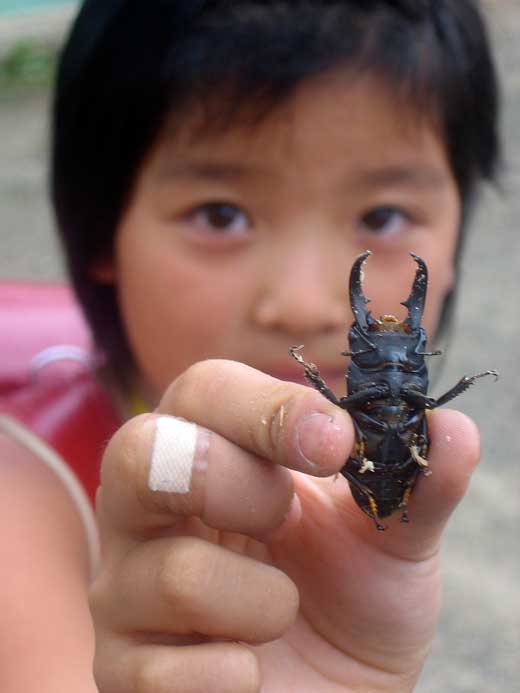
(387, 384)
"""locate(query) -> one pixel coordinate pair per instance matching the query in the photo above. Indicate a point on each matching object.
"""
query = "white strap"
(48, 456)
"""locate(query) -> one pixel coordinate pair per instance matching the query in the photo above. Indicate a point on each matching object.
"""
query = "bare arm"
(46, 636)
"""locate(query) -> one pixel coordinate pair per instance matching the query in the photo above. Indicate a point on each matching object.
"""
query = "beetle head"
(375, 343)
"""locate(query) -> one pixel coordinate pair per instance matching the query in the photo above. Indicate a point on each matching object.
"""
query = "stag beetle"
(387, 384)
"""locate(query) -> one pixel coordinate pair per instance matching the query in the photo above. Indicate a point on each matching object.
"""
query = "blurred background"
(478, 646)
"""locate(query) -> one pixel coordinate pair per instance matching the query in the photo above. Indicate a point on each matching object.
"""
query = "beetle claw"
(417, 298)
(358, 300)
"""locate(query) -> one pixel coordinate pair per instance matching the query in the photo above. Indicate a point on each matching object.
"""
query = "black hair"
(129, 64)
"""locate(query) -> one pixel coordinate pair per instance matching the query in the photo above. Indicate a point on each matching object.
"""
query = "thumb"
(453, 456)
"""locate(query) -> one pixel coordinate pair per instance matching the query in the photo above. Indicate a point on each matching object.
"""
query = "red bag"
(48, 376)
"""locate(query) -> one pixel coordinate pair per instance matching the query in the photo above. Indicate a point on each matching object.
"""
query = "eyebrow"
(211, 171)
(413, 176)
(419, 177)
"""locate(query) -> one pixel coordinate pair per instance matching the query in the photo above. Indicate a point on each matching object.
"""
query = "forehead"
(331, 121)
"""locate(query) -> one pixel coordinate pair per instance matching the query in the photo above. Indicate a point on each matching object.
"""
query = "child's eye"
(385, 220)
(219, 217)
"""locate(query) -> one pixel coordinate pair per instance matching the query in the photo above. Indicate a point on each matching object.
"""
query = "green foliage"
(28, 64)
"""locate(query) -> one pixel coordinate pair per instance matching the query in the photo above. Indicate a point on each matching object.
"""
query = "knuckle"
(102, 604)
(195, 381)
(122, 453)
(108, 597)
(265, 436)
(279, 609)
(148, 676)
(99, 671)
(197, 374)
(280, 413)
(291, 598)
(246, 663)
(109, 665)
(180, 576)
(235, 668)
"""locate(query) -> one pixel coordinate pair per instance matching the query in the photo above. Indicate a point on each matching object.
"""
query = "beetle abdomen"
(381, 490)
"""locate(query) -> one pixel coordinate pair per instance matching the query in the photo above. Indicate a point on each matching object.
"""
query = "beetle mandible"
(387, 384)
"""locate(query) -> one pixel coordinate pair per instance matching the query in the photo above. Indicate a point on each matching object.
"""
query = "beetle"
(387, 385)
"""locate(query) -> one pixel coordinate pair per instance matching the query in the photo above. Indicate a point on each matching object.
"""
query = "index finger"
(159, 470)
(229, 433)
(289, 424)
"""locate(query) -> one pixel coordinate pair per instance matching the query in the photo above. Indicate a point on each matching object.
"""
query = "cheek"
(442, 281)
(442, 278)
(439, 256)
(175, 312)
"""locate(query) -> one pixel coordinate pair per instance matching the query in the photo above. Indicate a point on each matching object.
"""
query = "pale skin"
(270, 578)
(47, 633)
(266, 571)
(310, 597)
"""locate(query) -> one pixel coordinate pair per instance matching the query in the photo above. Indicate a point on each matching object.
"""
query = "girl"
(217, 167)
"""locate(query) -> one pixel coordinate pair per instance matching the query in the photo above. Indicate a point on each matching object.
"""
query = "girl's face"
(239, 244)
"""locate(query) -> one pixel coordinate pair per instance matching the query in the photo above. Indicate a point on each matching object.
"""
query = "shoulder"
(38, 503)
(45, 576)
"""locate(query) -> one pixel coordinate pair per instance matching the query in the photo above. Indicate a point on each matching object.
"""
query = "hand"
(265, 573)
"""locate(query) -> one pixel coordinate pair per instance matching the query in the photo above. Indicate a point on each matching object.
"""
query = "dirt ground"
(478, 646)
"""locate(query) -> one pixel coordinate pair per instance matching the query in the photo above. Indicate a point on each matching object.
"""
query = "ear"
(103, 270)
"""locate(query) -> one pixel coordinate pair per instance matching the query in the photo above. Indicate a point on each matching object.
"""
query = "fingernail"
(320, 438)
(176, 448)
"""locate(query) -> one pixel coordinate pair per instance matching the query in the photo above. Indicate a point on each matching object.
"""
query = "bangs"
(242, 63)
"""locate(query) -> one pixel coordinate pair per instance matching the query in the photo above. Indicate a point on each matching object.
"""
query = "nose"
(305, 292)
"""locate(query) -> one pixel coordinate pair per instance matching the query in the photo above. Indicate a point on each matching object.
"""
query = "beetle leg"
(461, 387)
(374, 515)
(421, 461)
(404, 503)
(418, 450)
(360, 444)
(313, 377)
(371, 510)
(418, 399)
(418, 447)
(370, 421)
(356, 399)
(411, 423)
(365, 465)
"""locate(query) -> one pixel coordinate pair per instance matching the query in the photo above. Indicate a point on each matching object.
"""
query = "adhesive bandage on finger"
(173, 455)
